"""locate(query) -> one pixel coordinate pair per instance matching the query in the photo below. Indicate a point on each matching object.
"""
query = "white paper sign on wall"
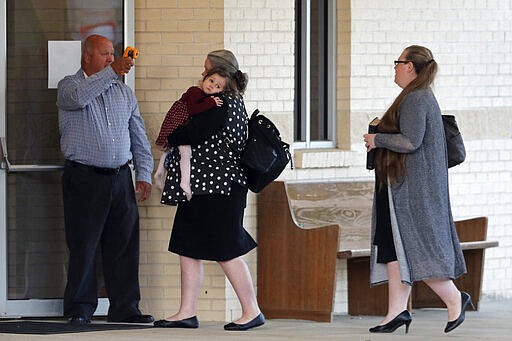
(63, 60)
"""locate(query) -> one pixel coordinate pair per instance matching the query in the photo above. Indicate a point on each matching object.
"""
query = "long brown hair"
(390, 165)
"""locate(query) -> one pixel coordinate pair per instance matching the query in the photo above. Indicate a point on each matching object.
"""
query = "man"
(102, 131)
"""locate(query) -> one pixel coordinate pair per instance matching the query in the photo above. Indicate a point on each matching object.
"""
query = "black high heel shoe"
(465, 300)
(403, 318)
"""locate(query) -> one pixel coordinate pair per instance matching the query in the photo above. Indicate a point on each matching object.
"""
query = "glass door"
(33, 253)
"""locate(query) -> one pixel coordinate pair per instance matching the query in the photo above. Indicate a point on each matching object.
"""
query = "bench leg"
(362, 299)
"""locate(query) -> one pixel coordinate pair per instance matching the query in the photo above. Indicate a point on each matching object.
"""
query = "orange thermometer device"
(131, 52)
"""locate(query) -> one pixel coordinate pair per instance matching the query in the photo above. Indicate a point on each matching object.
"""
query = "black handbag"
(454, 142)
(265, 155)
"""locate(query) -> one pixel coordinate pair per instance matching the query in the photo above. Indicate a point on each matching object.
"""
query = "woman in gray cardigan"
(413, 232)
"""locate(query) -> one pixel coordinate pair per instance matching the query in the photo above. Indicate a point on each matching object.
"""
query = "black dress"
(383, 234)
(210, 227)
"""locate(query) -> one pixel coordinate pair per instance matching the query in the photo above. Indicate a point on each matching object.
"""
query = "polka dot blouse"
(215, 162)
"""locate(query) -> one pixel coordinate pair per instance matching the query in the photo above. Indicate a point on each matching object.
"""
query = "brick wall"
(470, 41)
(261, 35)
(174, 38)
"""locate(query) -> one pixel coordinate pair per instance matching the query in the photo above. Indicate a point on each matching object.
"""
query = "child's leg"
(185, 155)
(160, 173)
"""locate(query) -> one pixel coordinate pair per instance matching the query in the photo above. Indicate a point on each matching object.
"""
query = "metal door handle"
(10, 168)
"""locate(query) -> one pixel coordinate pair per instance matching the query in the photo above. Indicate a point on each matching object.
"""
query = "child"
(194, 101)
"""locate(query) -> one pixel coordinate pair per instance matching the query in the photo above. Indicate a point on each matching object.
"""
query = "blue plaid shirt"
(100, 123)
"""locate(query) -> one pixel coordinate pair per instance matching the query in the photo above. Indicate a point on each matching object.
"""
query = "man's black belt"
(99, 170)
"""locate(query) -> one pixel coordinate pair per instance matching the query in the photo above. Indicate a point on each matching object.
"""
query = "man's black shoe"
(135, 319)
(79, 320)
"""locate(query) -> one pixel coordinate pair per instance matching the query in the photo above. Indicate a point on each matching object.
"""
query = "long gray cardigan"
(421, 219)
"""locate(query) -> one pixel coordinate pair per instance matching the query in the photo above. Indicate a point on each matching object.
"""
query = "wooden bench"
(304, 227)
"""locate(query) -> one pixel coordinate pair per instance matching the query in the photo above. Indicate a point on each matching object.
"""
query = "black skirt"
(383, 234)
(210, 227)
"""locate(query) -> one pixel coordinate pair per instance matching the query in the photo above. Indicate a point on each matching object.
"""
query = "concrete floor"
(492, 322)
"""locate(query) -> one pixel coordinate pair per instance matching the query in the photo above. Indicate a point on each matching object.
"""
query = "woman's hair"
(225, 60)
(235, 83)
(391, 165)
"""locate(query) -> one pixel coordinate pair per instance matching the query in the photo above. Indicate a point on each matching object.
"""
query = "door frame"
(37, 307)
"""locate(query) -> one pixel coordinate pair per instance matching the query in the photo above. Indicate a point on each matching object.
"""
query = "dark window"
(315, 73)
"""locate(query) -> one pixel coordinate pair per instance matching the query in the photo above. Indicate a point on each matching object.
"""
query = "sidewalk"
(492, 322)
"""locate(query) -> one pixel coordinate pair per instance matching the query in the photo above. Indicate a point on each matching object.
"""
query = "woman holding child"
(209, 225)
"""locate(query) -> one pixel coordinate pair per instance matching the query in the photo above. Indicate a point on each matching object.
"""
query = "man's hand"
(144, 189)
(122, 65)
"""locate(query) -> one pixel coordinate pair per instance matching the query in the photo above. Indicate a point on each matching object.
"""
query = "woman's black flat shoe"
(465, 300)
(255, 322)
(191, 322)
(403, 318)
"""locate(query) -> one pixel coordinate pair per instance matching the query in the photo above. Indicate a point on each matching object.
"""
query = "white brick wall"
(471, 41)
(261, 34)
(481, 186)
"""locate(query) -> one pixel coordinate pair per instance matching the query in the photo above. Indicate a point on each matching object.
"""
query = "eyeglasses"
(402, 62)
